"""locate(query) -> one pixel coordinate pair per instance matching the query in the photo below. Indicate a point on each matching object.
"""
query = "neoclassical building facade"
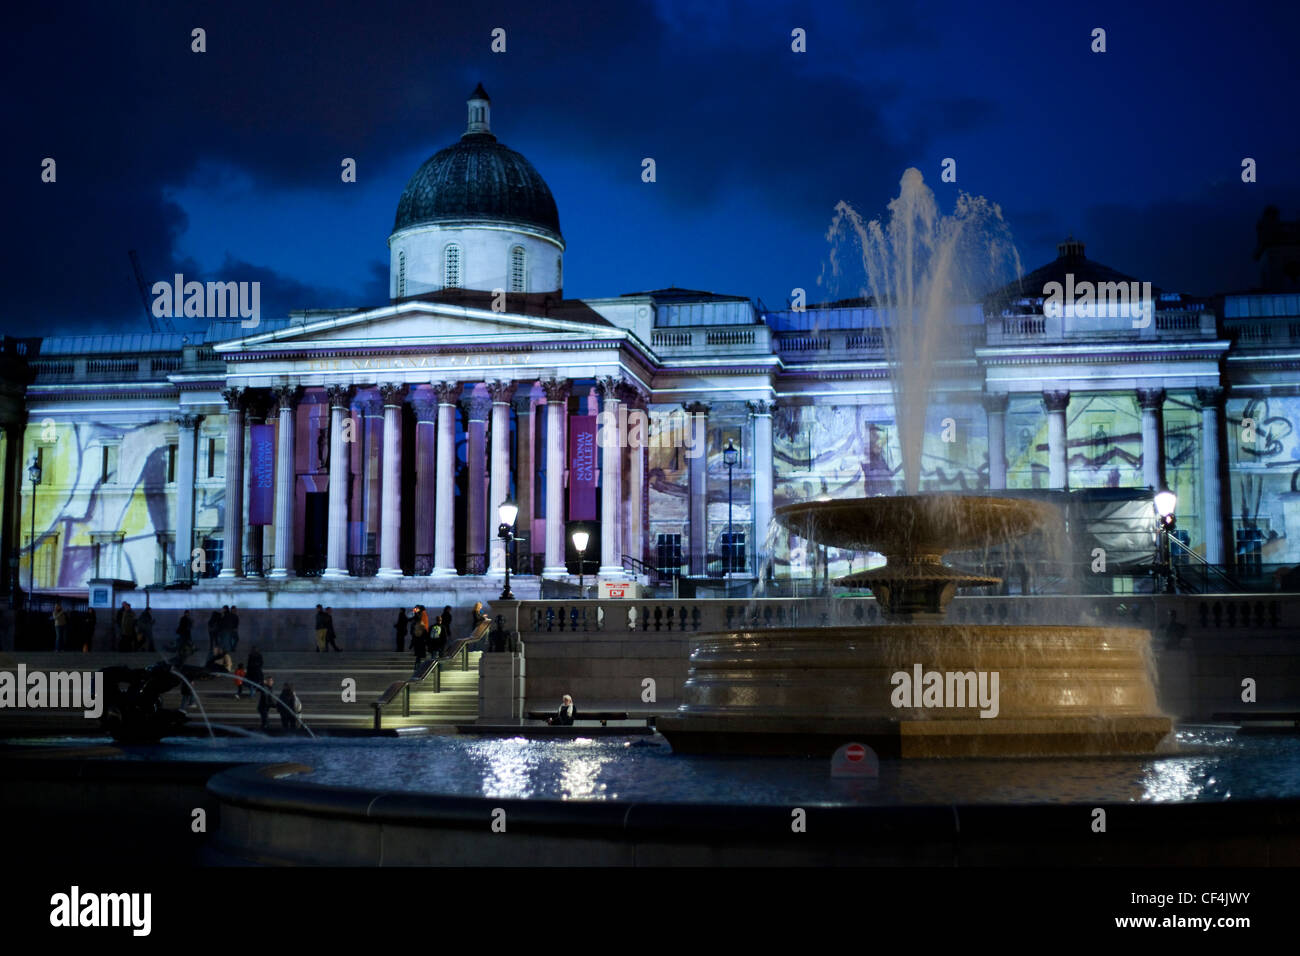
(339, 455)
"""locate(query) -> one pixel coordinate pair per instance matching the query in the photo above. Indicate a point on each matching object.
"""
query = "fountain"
(917, 687)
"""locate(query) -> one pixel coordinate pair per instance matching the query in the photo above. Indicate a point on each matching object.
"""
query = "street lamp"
(580, 539)
(1165, 502)
(34, 473)
(507, 511)
(729, 457)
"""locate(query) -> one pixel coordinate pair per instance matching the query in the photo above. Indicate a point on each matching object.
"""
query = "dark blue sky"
(225, 165)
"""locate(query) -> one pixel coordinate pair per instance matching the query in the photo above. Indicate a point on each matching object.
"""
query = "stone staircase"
(317, 680)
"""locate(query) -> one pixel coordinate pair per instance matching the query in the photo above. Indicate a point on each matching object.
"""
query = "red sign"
(855, 752)
(582, 468)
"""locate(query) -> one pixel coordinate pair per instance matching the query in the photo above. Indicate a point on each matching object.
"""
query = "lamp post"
(508, 511)
(1165, 502)
(34, 473)
(729, 457)
(580, 539)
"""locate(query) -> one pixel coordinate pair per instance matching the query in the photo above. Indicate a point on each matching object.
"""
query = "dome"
(478, 178)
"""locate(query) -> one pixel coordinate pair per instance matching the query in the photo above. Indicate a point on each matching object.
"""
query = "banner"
(582, 468)
(261, 474)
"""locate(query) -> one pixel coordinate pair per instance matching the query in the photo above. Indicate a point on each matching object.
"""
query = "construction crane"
(144, 298)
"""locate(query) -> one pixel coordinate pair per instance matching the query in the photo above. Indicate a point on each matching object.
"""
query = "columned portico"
(336, 562)
(995, 409)
(233, 545)
(698, 489)
(185, 475)
(1152, 402)
(499, 483)
(1057, 452)
(761, 412)
(1211, 402)
(286, 399)
(557, 398)
(391, 504)
(444, 553)
(611, 486)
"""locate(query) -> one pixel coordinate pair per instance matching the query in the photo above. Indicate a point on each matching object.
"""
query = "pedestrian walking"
(290, 708)
(234, 628)
(322, 628)
(144, 628)
(60, 625)
(214, 631)
(329, 631)
(126, 628)
(400, 629)
(255, 674)
(264, 703)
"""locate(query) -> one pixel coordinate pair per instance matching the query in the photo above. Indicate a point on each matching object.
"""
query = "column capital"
(370, 407)
(1056, 400)
(188, 421)
(339, 395)
(447, 392)
(996, 402)
(609, 386)
(500, 391)
(392, 393)
(523, 402)
(1211, 397)
(632, 396)
(425, 410)
(234, 397)
(1151, 398)
(286, 396)
(556, 389)
(696, 408)
(477, 408)
(762, 408)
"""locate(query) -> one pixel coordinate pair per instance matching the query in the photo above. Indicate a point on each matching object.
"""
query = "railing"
(802, 343)
(430, 669)
(52, 367)
(309, 565)
(670, 339)
(639, 567)
(1191, 568)
(729, 337)
(472, 563)
(363, 565)
(258, 567)
(167, 364)
(422, 565)
(873, 341)
(527, 564)
(1027, 325)
(112, 366)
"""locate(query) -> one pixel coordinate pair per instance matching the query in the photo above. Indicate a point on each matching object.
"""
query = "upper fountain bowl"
(916, 525)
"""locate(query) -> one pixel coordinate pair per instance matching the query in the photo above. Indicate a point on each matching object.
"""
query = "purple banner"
(582, 468)
(261, 474)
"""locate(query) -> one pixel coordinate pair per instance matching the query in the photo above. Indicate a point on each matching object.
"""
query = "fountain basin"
(1060, 691)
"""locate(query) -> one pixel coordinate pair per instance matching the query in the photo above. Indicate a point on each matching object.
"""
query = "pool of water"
(1210, 765)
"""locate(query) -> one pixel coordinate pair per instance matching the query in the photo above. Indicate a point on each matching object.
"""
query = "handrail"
(1227, 579)
(433, 666)
(640, 567)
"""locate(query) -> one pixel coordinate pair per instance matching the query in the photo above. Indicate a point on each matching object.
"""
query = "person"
(144, 628)
(239, 680)
(126, 628)
(322, 628)
(400, 629)
(478, 615)
(290, 708)
(90, 631)
(566, 714)
(1175, 630)
(220, 661)
(60, 625)
(329, 630)
(214, 631)
(445, 620)
(255, 674)
(184, 643)
(234, 628)
(228, 622)
(419, 634)
(264, 702)
(497, 641)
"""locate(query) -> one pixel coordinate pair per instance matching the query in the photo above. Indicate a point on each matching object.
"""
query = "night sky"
(226, 164)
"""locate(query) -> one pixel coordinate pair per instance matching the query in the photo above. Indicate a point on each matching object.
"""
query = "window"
(171, 463)
(668, 550)
(518, 281)
(733, 552)
(451, 267)
(559, 273)
(216, 450)
(401, 274)
(108, 460)
(1250, 542)
(214, 550)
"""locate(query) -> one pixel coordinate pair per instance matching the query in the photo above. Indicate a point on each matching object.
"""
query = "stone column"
(762, 414)
(524, 475)
(634, 527)
(698, 493)
(286, 479)
(1057, 461)
(426, 415)
(390, 509)
(185, 476)
(499, 489)
(258, 406)
(611, 486)
(1211, 401)
(444, 530)
(369, 490)
(232, 563)
(1152, 402)
(476, 408)
(336, 561)
(995, 409)
(557, 401)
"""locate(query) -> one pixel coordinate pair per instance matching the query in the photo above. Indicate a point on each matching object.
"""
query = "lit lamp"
(1166, 501)
(507, 511)
(730, 455)
(580, 539)
(34, 473)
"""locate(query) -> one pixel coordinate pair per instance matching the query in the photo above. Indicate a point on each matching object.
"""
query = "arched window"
(401, 274)
(451, 267)
(518, 282)
(559, 273)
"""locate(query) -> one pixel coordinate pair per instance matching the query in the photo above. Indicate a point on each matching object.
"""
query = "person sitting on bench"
(566, 714)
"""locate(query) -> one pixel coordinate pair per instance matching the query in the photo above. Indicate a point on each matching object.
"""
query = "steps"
(317, 680)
